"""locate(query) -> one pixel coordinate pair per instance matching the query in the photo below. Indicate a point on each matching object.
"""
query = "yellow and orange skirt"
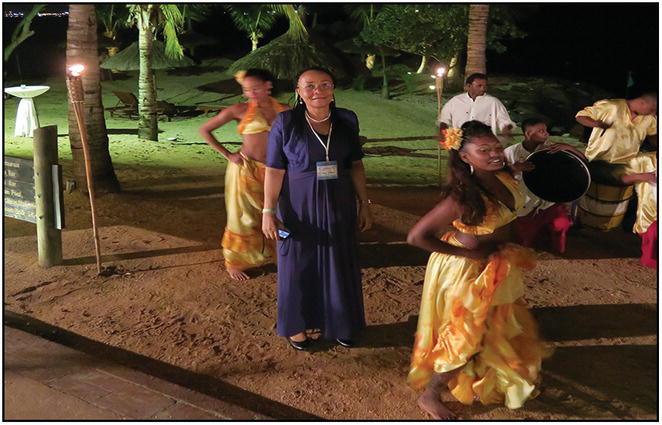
(244, 244)
(473, 321)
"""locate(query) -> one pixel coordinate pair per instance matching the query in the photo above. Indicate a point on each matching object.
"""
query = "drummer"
(619, 128)
(537, 215)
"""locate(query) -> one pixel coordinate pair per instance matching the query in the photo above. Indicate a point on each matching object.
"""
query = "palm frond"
(286, 55)
(173, 22)
(267, 17)
(240, 17)
(194, 12)
(251, 18)
(297, 28)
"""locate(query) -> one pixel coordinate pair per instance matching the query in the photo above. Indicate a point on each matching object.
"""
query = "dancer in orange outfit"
(474, 336)
(244, 245)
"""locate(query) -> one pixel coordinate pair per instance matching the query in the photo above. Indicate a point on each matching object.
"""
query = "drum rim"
(573, 155)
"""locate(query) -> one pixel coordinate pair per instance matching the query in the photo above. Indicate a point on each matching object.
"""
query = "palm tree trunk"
(420, 69)
(254, 41)
(147, 124)
(82, 48)
(478, 16)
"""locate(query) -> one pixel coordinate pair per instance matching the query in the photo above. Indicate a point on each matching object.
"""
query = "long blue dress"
(319, 279)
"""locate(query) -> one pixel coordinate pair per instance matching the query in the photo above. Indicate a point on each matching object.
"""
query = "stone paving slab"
(27, 399)
(45, 380)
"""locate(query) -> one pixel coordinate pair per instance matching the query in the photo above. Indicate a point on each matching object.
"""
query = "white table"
(26, 115)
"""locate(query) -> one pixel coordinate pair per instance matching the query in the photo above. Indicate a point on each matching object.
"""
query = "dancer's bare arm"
(225, 116)
(425, 233)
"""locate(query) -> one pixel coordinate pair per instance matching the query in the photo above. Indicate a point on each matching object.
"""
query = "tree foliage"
(112, 17)
(503, 25)
(166, 18)
(423, 29)
(291, 52)
(253, 19)
(22, 31)
(437, 30)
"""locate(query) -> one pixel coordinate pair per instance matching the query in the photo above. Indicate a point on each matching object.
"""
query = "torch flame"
(76, 70)
(441, 71)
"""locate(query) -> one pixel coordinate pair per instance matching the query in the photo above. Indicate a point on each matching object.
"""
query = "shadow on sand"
(135, 255)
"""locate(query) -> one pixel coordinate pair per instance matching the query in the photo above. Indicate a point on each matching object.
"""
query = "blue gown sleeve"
(275, 154)
(356, 152)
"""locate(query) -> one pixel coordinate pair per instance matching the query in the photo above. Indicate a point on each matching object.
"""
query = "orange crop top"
(253, 122)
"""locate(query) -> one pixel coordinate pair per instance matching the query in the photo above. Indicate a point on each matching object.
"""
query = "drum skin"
(557, 177)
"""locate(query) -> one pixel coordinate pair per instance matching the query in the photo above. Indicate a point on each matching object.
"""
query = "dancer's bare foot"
(431, 403)
(236, 274)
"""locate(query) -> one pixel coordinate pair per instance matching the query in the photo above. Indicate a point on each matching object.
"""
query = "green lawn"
(381, 121)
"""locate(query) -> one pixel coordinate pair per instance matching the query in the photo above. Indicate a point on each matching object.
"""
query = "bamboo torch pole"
(77, 96)
(439, 86)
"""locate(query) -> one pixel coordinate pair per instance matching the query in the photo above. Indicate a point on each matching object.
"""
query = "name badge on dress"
(327, 170)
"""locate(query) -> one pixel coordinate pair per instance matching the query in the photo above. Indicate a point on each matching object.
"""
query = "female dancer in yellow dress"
(244, 245)
(474, 335)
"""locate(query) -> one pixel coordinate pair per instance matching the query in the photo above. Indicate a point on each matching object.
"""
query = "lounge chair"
(208, 109)
(127, 107)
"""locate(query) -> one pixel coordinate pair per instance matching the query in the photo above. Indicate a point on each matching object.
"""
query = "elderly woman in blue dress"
(314, 181)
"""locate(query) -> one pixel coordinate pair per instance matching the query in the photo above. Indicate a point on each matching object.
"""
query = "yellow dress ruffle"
(244, 244)
(472, 318)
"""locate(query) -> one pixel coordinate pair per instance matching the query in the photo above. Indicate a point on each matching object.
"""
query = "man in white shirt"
(537, 214)
(476, 104)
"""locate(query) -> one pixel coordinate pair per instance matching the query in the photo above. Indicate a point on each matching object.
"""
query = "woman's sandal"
(299, 345)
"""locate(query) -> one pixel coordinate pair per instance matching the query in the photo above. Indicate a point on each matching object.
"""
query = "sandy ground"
(170, 300)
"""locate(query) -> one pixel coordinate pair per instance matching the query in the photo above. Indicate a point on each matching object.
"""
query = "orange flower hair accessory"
(452, 138)
(239, 76)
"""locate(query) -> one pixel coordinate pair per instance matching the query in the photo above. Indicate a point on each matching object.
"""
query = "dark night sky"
(593, 42)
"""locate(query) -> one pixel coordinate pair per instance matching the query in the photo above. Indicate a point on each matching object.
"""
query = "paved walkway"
(45, 380)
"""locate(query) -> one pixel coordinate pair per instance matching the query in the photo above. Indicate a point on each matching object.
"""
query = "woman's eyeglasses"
(311, 87)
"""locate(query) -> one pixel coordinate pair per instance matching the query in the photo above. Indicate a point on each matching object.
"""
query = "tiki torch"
(77, 96)
(439, 87)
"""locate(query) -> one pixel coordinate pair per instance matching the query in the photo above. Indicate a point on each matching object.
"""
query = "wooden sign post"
(48, 212)
(33, 192)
